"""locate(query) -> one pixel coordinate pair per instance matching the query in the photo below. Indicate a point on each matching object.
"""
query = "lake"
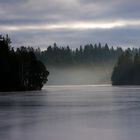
(71, 113)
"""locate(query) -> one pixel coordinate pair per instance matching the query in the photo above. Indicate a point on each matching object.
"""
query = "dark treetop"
(87, 55)
(20, 69)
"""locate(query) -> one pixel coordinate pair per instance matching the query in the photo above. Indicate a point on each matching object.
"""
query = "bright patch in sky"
(77, 25)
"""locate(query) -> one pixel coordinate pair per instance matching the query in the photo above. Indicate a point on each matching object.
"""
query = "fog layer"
(84, 75)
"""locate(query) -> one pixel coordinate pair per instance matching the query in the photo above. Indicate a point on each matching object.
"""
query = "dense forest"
(124, 64)
(87, 55)
(20, 70)
(127, 69)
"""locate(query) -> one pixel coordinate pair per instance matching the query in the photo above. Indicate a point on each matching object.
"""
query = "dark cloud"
(54, 11)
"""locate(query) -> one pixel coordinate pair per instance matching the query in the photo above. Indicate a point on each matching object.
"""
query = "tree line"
(88, 55)
(20, 69)
(126, 63)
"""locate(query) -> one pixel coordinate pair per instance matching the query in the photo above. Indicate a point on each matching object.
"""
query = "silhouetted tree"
(20, 69)
(87, 55)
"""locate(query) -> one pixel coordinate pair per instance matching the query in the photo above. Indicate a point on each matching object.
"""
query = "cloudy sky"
(71, 22)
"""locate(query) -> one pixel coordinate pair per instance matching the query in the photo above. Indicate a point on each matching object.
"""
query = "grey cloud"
(9, 3)
(114, 10)
(54, 11)
(125, 37)
(96, 1)
(12, 1)
(30, 12)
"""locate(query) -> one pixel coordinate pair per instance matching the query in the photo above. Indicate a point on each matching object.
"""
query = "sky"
(40, 23)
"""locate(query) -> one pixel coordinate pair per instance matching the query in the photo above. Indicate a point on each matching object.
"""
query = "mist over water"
(84, 75)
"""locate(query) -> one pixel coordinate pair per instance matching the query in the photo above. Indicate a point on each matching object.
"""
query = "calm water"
(72, 113)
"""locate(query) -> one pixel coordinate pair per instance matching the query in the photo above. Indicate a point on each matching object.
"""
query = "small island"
(20, 70)
(127, 69)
